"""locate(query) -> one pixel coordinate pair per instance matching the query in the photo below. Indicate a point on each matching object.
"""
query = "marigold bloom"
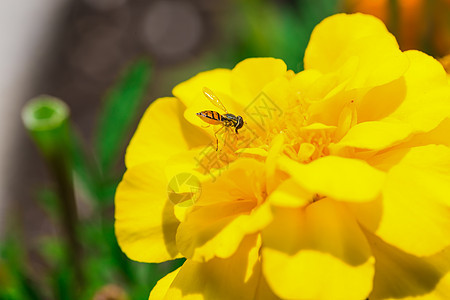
(337, 186)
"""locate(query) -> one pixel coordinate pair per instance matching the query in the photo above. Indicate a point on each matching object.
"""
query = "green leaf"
(86, 170)
(121, 108)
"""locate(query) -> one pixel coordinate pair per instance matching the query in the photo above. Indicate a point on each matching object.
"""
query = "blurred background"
(107, 60)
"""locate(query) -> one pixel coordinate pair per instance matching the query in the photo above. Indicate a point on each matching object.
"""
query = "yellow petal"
(317, 253)
(327, 110)
(267, 107)
(145, 222)
(275, 150)
(381, 101)
(415, 212)
(339, 31)
(305, 152)
(243, 179)
(248, 152)
(213, 230)
(251, 75)
(190, 91)
(264, 292)
(427, 101)
(290, 194)
(417, 102)
(305, 79)
(226, 212)
(163, 132)
(187, 162)
(347, 119)
(400, 275)
(219, 236)
(438, 136)
(341, 37)
(233, 278)
(337, 177)
(374, 135)
(277, 91)
(163, 285)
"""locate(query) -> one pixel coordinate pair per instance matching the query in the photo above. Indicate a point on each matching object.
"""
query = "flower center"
(303, 142)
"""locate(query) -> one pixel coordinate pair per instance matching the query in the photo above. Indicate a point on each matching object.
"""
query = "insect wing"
(214, 99)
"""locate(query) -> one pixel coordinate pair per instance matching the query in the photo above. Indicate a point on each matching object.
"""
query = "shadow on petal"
(169, 227)
(400, 275)
(232, 278)
(317, 252)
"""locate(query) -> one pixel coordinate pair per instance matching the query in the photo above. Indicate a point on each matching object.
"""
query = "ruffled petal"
(264, 292)
(163, 132)
(145, 223)
(400, 275)
(243, 179)
(437, 136)
(414, 211)
(427, 100)
(233, 278)
(163, 285)
(290, 194)
(374, 135)
(225, 213)
(336, 177)
(362, 38)
(381, 101)
(190, 92)
(251, 75)
(317, 253)
(389, 114)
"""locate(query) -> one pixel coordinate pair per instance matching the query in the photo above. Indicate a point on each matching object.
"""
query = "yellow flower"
(337, 187)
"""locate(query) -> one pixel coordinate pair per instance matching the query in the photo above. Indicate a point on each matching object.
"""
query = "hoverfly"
(227, 120)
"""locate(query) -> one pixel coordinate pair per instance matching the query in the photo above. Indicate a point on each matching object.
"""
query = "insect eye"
(240, 122)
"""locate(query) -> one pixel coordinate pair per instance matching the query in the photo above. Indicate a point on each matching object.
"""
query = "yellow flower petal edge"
(414, 213)
(145, 223)
(162, 286)
(290, 194)
(360, 37)
(225, 213)
(427, 100)
(337, 177)
(404, 276)
(417, 103)
(190, 91)
(375, 135)
(235, 277)
(163, 132)
(317, 253)
(251, 75)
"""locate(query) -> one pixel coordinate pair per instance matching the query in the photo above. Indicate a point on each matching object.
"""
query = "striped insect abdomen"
(210, 117)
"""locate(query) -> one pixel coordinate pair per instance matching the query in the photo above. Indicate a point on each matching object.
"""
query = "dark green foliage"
(121, 107)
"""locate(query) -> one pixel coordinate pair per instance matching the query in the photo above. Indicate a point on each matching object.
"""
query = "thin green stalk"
(46, 119)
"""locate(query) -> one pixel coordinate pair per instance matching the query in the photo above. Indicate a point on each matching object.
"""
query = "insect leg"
(227, 133)
(215, 135)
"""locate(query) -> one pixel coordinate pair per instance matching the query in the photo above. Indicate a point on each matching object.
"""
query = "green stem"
(46, 119)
